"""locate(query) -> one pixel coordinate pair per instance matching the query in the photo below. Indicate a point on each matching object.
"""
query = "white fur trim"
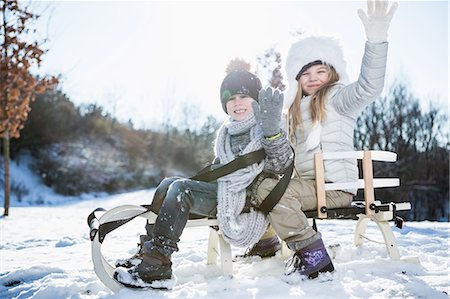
(310, 49)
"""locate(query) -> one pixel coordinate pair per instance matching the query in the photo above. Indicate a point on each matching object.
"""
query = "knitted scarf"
(242, 230)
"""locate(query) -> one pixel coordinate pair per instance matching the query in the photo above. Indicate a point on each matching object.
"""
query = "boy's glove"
(376, 21)
(268, 112)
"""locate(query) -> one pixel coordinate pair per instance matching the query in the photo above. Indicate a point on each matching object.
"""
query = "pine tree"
(18, 86)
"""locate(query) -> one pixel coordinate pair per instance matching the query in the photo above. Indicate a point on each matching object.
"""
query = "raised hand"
(268, 112)
(376, 21)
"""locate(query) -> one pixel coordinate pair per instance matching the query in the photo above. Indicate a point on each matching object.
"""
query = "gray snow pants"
(287, 217)
(175, 201)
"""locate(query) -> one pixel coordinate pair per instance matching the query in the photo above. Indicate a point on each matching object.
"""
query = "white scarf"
(242, 230)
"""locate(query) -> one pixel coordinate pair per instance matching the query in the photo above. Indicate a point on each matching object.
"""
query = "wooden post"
(369, 192)
(320, 185)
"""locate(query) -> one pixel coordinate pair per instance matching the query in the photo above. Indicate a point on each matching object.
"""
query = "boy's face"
(239, 106)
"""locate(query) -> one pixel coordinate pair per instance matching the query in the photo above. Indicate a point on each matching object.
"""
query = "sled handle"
(93, 223)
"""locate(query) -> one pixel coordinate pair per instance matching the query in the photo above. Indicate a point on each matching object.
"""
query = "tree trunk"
(6, 169)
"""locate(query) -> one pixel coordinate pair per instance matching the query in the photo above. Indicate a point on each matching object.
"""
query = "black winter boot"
(136, 258)
(154, 268)
(310, 261)
(264, 248)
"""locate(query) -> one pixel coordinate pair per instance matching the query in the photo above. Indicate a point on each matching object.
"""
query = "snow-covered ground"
(45, 253)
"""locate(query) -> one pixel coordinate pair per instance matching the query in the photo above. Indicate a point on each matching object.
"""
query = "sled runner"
(364, 211)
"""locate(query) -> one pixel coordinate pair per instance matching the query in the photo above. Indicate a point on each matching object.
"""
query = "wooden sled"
(368, 210)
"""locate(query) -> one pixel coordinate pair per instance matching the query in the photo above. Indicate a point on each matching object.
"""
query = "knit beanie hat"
(239, 82)
(312, 50)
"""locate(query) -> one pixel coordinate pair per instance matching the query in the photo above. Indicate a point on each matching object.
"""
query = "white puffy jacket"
(344, 104)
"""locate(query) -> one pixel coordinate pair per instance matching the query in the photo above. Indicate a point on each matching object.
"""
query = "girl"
(322, 115)
(254, 123)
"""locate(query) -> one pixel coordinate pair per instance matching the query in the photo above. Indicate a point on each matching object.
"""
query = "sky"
(57, 240)
(152, 61)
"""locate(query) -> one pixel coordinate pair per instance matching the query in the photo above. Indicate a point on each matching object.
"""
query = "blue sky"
(149, 60)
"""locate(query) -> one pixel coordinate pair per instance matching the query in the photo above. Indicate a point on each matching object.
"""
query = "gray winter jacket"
(345, 103)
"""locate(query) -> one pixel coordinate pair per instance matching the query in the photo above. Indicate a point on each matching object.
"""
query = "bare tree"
(189, 119)
(18, 86)
(168, 104)
(398, 123)
(270, 62)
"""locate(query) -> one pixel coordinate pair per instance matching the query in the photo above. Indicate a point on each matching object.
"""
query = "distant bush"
(91, 166)
(53, 118)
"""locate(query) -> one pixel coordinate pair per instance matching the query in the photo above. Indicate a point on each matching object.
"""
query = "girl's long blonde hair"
(316, 108)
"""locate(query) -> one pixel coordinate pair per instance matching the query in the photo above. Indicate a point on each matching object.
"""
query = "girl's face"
(239, 106)
(313, 78)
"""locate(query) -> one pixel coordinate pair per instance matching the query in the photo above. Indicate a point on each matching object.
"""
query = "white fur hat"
(309, 49)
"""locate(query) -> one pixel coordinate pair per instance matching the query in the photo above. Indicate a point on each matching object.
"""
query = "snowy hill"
(45, 253)
(27, 188)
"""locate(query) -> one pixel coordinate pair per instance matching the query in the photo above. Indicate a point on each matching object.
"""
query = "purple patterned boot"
(310, 261)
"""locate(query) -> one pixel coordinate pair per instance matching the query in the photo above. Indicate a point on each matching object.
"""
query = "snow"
(27, 188)
(135, 281)
(46, 253)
